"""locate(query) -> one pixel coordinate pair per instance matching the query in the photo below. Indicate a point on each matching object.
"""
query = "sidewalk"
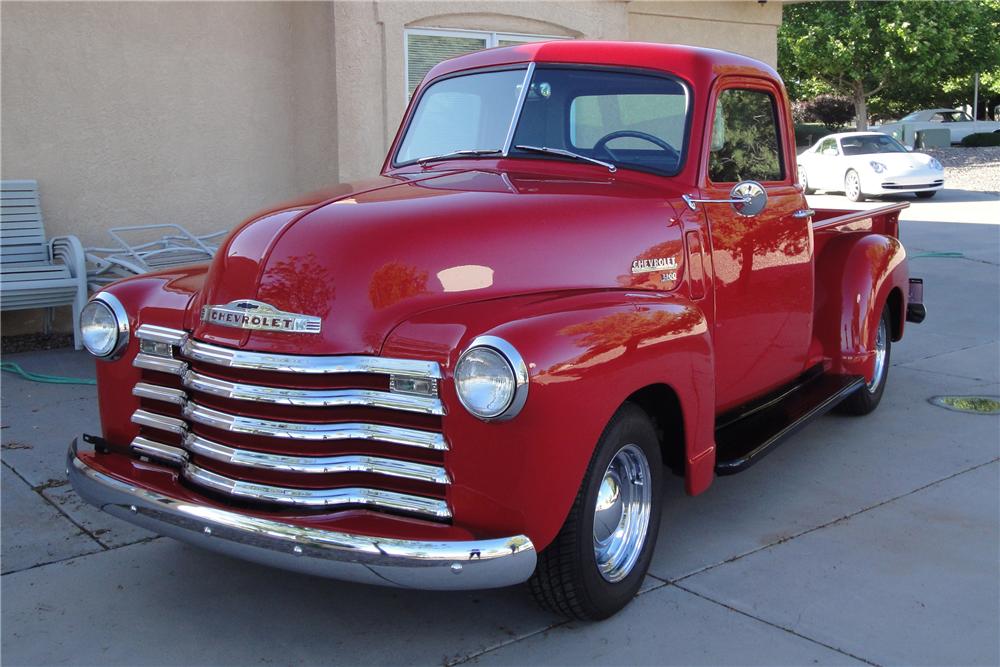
(862, 540)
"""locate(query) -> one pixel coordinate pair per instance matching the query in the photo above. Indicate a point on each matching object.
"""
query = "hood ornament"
(259, 316)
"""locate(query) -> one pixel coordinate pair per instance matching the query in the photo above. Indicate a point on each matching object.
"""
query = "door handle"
(804, 213)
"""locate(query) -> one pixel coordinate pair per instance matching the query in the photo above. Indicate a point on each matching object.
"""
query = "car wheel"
(926, 194)
(866, 399)
(852, 186)
(597, 562)
(804, 180)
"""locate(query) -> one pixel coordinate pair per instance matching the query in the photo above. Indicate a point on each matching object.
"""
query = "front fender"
(586, 354)
(856, 274)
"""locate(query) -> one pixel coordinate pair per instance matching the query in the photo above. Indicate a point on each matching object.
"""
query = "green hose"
(11, 367)
(938, 254)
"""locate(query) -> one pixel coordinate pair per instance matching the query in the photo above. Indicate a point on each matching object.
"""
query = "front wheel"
(866, 399)
(804, 180)
(852, 186)
(597, 562)
(926, 194)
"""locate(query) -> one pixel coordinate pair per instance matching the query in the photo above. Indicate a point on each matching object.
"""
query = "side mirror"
(909, 149)
(749, 197)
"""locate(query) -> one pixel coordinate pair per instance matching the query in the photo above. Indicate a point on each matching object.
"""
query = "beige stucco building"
(201, 113)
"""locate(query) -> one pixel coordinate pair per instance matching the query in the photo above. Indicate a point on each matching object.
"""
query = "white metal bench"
(35, 272)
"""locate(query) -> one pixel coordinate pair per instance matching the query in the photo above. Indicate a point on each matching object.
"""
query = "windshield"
(628, 119)
(876, 143)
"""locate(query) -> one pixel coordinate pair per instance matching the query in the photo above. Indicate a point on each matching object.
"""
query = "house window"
(425, 48)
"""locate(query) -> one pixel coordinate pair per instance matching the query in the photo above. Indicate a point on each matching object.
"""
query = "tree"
(860, 49)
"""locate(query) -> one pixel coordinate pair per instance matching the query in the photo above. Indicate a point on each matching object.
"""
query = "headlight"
(491, 379)
(104, 327)
(877, 166)
(935, 165)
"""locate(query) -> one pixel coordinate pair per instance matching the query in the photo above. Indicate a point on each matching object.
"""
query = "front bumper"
(373, 560)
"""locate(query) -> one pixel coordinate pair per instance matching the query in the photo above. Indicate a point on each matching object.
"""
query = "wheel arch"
(662, 405)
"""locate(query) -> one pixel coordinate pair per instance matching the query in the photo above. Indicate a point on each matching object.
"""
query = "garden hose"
(11, 367)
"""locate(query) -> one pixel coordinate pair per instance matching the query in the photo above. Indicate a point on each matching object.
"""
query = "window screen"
(425, 51)
(746, 141)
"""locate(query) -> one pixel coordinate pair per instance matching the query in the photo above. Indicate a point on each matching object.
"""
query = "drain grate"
(976, 405)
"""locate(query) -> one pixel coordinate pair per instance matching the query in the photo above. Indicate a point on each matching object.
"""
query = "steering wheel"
(602, 143)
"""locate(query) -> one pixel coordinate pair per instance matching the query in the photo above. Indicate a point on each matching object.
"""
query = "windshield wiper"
(462, 153)
(575, 156)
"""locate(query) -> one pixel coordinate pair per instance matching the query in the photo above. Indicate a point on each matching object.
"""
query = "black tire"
(927, 194)
(804, 180)
(866, 399)
(567, 579)
(854, 194)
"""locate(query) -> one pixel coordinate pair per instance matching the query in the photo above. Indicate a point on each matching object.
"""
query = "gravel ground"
(976, 169)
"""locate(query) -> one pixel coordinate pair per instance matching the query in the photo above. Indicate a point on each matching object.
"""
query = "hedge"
(980, 139)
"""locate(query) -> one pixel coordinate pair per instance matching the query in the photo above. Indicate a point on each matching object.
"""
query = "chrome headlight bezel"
(515, 365)
(117, 310)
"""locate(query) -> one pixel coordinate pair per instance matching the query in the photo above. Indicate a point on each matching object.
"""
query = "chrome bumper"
(385, 562)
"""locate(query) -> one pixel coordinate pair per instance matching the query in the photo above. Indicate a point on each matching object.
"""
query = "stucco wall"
(202, 113)
(135, 113)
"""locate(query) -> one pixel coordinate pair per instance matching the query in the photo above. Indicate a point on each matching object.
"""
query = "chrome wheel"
(621, 514)
(881, 345)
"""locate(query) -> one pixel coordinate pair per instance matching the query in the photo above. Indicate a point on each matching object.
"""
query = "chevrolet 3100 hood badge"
(259, 316)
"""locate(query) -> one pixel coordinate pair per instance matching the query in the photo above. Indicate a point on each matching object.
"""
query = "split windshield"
(623, 118)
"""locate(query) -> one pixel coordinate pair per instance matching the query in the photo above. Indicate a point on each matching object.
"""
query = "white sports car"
(868, 163)
(959, 123)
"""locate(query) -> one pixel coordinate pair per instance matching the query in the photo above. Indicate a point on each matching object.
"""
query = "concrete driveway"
(863, 540)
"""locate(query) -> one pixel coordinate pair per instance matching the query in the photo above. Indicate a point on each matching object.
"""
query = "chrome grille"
(218, 415)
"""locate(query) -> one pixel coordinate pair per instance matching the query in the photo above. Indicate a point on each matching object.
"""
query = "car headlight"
(104, 327)
(877, 166)
(935, 165)
(491, 379)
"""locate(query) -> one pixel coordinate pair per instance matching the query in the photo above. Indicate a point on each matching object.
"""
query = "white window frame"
(492, 41)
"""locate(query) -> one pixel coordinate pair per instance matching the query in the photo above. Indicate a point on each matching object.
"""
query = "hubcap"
(621, 514)
(853, 185)
(881, 342)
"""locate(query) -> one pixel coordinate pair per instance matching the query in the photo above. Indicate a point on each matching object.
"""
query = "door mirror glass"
(753, 195)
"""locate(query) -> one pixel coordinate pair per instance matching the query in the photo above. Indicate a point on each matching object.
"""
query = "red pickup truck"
(582, 266)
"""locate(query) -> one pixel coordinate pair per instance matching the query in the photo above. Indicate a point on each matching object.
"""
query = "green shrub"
(832, 111)
(979, 139)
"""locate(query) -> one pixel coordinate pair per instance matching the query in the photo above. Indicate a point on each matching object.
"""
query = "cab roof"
(688, 62)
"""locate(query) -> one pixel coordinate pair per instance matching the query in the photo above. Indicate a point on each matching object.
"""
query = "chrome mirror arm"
(691, 201)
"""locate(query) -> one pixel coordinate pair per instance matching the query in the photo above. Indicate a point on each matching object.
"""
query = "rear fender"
(586, 354)
(856, 274)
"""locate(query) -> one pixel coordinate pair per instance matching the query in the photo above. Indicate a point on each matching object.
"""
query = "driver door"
(763, 264)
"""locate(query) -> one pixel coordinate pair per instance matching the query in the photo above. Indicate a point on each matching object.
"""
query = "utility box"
(936, 138)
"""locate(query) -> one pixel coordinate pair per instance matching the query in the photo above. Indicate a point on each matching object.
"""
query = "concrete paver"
(668, 626)
(880, 583)
(164, 603)
(34, 532)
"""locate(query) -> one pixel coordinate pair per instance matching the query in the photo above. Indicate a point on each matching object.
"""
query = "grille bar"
(284, 363)
(313, 398)
(300, 431)
(315, 464)
(195, 444)
(400, 502)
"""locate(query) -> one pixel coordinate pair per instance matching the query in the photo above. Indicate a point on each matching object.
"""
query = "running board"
(743, 441)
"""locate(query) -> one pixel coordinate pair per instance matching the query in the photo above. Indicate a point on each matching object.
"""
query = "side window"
(746, 144)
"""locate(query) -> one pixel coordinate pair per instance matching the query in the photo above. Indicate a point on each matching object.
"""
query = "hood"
(360, 259)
